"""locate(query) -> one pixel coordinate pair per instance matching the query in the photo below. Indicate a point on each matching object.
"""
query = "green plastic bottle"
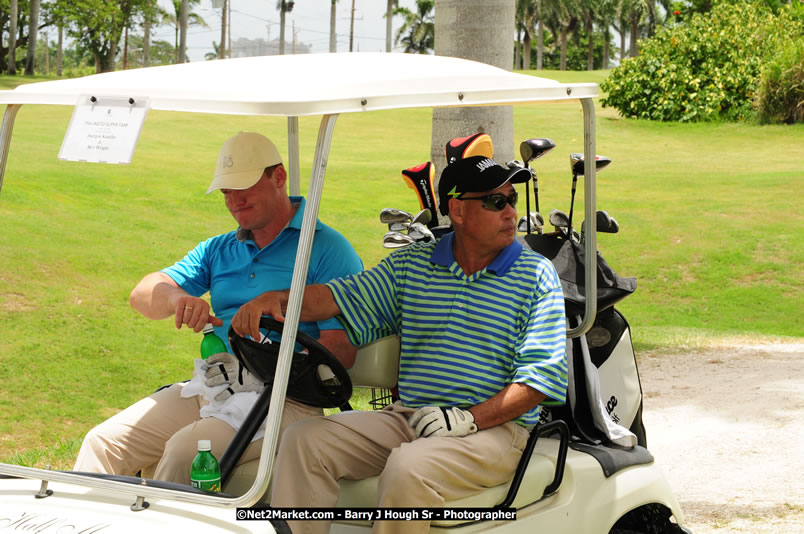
(205, 473)
(211, 344)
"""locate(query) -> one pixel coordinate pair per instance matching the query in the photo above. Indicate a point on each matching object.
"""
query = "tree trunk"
(607, 36)
(125, 48)
(526, 51)
(333, 47)
(634, 34)
(282, 29)
(146, 41)
(185, 10)
(222, 46)
(539, 45)
(12, 38)
(590, 53)
(60, 51)
(389, 27)
(33, 29)
(622, 43)
(47, 55)
(352, 28)
(563, 42)
(470, 29)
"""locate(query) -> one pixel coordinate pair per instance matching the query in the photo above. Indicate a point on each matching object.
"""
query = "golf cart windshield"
(326, 85)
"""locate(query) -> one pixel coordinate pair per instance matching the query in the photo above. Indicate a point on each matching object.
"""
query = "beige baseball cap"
(242, 159)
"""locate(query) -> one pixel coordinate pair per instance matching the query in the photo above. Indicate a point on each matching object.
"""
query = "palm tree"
(284, 7)
(562, 19)
(332, 37)
(183, 22)
(526, 17)
(33, 29)
(12, 37)
(417, 33)
(193, 19)
(389, 19)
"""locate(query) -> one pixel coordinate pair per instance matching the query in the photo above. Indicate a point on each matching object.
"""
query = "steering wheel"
(317, 378)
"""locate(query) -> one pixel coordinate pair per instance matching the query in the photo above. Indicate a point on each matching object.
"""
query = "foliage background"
(706, 68)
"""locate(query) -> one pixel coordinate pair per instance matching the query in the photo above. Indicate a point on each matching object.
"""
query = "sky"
(254, 19)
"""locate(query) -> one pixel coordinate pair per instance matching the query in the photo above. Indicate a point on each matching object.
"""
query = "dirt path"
(727, 427)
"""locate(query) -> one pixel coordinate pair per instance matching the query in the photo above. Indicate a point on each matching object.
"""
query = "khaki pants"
(159, 436)
(425, 472)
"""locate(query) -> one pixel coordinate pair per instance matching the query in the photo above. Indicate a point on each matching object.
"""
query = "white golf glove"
(441, 421)
(225, 369)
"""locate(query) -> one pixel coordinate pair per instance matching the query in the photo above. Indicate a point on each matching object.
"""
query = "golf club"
(535, 221)
(531, 149)
(392, 215)
(420, 179)
(605, 223)
(399, 226)
(423, 217)
(559, 220)
(577, 167)
(419, 232)
(396, 240)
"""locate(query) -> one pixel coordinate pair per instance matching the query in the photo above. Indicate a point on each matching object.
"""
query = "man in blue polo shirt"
(161, 432)
(482, 327)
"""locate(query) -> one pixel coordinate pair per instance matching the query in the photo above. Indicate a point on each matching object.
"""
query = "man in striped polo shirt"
(482, 328)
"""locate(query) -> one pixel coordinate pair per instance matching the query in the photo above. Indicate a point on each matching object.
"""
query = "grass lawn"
(710, 214)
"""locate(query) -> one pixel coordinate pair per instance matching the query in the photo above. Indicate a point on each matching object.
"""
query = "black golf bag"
(604, 401)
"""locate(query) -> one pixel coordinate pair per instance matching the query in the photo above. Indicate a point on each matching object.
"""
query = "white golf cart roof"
(294, 86)
(308, 84)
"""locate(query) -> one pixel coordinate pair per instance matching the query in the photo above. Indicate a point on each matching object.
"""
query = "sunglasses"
(497, 201)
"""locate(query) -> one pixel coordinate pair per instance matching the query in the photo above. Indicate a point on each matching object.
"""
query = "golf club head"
(392, 215)
(399, 226)
(604, 223)
(478, 144)
(419, 232)
(531, 149)
(396, 240)
(514, 164)
(558, 218)
(423, 217)
(536, 222)
(577, 164)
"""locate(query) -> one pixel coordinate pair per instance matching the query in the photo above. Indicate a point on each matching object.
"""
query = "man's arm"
(318, 304)
(514, 400)
(339, 345)
(158, 296)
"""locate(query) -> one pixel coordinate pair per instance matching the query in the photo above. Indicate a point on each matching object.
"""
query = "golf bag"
(604, 400)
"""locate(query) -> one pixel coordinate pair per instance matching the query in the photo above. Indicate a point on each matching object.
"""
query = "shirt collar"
(445, 256)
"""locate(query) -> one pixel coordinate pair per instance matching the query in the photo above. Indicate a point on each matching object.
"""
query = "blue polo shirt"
(234, 270)
(463, 338)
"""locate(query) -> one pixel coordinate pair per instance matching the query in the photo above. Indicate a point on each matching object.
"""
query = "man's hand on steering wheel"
(246, 322)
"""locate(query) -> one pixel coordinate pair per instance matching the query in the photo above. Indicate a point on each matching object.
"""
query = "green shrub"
(705, 68)
(780, 97)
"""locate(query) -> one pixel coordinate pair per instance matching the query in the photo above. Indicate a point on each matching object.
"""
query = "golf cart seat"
(377, 366)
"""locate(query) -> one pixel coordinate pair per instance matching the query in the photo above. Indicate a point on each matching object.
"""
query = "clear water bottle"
(205, 473)
(211, 344)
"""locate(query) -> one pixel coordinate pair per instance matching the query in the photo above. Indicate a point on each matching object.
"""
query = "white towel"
(233, 410)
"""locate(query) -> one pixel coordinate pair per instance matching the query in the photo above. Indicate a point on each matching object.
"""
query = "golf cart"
(559, 489)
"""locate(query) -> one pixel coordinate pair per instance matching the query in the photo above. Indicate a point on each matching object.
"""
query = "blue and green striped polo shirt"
(464, 338)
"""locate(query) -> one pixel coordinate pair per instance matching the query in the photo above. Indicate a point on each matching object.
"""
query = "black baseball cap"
(476, 174)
